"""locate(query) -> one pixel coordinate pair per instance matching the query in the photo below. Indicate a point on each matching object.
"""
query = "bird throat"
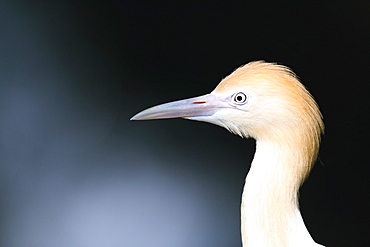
(269, 212)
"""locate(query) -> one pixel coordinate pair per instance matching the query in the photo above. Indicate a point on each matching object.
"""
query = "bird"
(267, 102)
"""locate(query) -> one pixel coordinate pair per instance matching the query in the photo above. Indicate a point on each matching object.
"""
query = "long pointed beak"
(201, 106)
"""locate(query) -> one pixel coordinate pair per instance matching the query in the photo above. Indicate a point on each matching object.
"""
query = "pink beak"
(201, 106)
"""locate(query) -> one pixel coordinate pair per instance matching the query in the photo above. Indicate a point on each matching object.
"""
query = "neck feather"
(270, 213)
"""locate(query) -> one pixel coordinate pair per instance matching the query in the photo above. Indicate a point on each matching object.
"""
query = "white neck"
(269, 212)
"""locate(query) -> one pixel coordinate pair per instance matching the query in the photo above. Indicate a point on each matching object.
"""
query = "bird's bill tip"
(205, 105)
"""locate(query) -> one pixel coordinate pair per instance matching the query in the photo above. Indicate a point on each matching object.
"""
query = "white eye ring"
(240, 98)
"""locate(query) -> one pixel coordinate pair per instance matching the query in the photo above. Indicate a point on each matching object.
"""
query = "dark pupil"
(239, 98)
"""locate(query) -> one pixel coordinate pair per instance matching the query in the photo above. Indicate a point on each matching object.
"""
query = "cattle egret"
(264, 101)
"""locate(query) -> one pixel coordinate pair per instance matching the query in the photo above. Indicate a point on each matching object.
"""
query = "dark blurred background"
(76, 172)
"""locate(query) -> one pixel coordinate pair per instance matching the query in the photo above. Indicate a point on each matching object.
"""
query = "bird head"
(260, 100)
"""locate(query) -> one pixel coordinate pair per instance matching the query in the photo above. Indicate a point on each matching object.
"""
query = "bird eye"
(240, 98)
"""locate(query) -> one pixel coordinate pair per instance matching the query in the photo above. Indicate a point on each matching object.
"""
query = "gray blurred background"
(75, 172)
